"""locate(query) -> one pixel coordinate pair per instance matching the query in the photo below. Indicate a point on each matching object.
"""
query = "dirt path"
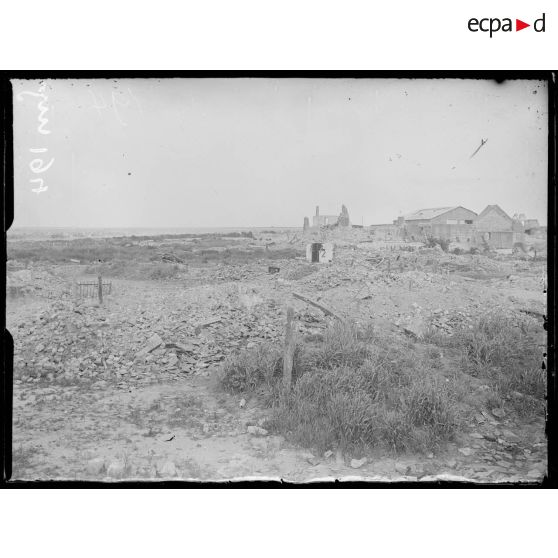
(184, 430)
(189, 430)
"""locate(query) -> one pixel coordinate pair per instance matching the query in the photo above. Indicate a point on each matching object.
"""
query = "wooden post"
(100, 288)
(288, 353)
(325, 309)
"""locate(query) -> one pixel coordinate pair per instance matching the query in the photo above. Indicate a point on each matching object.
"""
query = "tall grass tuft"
(508, 355)
(352, 391)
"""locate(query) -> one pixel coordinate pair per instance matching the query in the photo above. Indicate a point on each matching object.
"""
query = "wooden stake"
(100, 288)
(289, 348)
(325, 309)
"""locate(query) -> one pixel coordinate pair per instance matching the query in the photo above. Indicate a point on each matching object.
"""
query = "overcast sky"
(265, 152)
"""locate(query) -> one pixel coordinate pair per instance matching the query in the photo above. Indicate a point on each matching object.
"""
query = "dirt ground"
(128, 389)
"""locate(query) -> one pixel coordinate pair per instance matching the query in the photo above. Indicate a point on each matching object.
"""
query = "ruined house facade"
(318, 220)
(323, 220)
(530, 226)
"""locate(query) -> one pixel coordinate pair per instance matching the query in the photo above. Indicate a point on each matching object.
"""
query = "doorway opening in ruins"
(316, 247)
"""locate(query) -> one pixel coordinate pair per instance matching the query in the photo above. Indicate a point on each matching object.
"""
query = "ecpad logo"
(493, 25)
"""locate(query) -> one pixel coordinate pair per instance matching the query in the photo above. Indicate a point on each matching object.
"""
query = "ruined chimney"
(317, 211)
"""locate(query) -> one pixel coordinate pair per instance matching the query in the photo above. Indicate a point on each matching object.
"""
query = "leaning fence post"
(100, 280)
(288, 353)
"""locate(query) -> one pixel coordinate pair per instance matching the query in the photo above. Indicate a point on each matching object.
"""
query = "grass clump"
(443, 243)
(491, 341)
(164, 271)
(343, 346)
(373, 405)
(507, 353)
(249, 370)
(351, 391)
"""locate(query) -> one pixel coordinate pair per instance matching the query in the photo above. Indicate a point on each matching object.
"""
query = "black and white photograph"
(302, 279)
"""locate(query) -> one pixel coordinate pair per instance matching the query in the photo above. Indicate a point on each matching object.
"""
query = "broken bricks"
(152, 343)
(206, 323)
(358, 463)
(181, 348)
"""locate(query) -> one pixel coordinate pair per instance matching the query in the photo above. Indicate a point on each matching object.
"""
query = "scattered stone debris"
(117, 469)
(256, 431)
(95, 467)
(152, 343)
(466, 451)
(205, 324)
(167, 470)
(358, 463)
(137, 338)
(311, 458)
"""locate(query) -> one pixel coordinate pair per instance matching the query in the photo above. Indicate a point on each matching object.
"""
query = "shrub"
(432, 242)
(163, 271)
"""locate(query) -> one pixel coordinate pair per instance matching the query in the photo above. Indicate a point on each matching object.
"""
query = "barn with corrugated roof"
(454, 223)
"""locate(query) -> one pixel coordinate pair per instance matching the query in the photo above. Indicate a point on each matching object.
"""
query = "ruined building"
(323, 220)
(343, 220)
(528, 224)
(318, 220)
(497, 229)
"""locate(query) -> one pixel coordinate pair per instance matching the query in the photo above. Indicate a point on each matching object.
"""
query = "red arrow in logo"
(519, 25)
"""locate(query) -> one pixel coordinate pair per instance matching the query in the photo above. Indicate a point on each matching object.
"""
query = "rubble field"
(129, 388)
